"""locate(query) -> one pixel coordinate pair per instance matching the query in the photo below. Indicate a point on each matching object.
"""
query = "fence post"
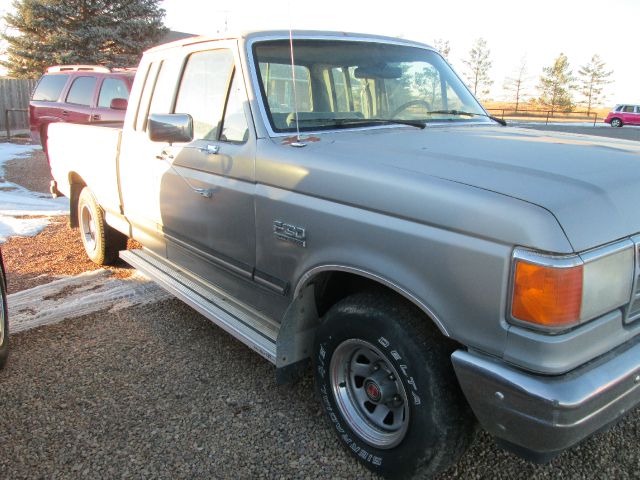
(595, 119)
(546, 122)
(6, 123)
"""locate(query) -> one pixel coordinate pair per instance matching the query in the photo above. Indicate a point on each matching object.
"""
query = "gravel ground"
(31, 172)
(159, 392)
(54, 252)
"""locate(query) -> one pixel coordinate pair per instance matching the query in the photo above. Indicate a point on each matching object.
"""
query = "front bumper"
(543, 415)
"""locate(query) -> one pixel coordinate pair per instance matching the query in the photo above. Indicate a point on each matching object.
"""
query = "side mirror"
(119, 104)
(170, 127)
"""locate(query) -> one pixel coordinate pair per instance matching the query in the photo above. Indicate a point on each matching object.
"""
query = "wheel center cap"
(373, 390)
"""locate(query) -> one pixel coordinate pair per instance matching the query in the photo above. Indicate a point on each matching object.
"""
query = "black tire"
(101, 242)
(4, 320)
(435, 426)
(616, 122)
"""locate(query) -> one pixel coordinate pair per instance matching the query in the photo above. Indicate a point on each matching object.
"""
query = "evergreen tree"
(478, 66)
(443, 47)
(556, 85)
(517, 84)
(593, 77)
(105, 32)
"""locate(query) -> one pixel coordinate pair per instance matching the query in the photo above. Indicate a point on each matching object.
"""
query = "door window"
(628, 109)
(203, 89)
(81, 92)
(112, 88)
(164, 89)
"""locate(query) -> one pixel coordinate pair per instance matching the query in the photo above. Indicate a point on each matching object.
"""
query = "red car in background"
(78, 94)
(624, 115)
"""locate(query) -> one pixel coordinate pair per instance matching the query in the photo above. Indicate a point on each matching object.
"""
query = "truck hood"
(590, 184)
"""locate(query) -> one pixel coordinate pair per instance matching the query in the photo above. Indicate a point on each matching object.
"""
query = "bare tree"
(517, 84)
(443, 47)
(478, 66)
(593, 77)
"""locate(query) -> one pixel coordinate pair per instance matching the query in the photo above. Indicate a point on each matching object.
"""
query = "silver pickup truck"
(343, 199)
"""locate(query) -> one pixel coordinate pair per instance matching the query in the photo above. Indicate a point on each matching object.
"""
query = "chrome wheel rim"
(615, 123)
(88, 228)
(369, 393)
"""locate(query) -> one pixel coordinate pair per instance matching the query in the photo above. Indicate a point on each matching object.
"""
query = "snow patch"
(83, 294)
(17, 204)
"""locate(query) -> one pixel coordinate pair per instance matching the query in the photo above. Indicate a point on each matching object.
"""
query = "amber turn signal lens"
(547, 296)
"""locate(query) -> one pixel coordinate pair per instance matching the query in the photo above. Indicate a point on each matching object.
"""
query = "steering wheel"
(412, 103)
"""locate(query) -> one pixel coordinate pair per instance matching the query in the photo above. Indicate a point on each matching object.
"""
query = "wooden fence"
(15, 94)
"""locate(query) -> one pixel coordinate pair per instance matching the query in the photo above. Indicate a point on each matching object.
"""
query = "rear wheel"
(616, 122)
(101, 242)
(386, 383)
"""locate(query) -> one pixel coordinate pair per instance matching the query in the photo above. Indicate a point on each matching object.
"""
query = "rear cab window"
(82, 91)
(50, 88)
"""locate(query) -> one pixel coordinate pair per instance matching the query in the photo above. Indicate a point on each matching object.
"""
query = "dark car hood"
(590, 184)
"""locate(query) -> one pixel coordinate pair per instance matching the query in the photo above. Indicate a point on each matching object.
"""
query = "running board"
(255, 331)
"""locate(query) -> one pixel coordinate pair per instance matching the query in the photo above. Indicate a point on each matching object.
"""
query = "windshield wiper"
(387, 121)
(470, 114)
(339, 122)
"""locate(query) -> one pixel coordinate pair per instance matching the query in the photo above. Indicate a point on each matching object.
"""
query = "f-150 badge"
(290, 233)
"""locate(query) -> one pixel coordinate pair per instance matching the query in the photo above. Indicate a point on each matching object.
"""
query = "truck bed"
(86, 154)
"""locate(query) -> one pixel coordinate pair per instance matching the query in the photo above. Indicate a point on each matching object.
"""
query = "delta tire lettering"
(385, 344)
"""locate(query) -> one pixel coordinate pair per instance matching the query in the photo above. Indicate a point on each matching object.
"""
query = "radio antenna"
(298, 142)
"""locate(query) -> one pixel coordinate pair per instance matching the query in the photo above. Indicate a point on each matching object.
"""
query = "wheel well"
(76, 184)
(333, 286)
(299, 325)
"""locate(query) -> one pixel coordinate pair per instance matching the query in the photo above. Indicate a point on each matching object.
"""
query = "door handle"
(166, 156)
(95, 117)
(210, 149)
(65, 113)
(205, 192)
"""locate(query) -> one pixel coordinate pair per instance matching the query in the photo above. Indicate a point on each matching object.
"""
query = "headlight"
(559, 292)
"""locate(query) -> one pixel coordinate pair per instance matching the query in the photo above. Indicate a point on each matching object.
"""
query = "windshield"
(345, 84)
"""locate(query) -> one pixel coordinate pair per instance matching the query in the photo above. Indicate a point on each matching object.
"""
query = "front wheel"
(386, 383)
(101, 242)
(616, 122)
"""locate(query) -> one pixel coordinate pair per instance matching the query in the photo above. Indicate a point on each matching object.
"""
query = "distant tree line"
(556, 86)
